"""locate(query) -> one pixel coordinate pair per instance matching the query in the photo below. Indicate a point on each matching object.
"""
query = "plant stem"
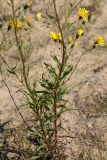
(60, 71)
(19, 48)
(24, 73)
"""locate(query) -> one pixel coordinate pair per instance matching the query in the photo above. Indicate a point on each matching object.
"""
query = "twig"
(17, 106)
(10, 68)
(72, 11)
(19, 47)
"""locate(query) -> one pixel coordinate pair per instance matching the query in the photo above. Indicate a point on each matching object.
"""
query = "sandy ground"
(90, 77)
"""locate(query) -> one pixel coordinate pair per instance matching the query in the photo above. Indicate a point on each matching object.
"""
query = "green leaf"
(57, 61)
(62, 91)
(45, 83)
(9, 4)
(10, 71)
(68, 26)
(67, 71)
(51, 70)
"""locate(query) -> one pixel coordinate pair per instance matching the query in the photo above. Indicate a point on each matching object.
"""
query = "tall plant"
(48, 103)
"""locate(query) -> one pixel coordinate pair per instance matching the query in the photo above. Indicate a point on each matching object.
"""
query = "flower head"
(59, 37)
(55, 36)
(99, 41)
(80, 32)
(75, 44)
(70, 40)
(38, 16)
(28, 21)
(83, 13)
(12, 24)
(18, 24)
(71, 2)
(27, 5)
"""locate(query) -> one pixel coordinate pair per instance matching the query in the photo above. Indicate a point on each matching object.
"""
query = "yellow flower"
(75, 44)
(70, 40)
(100, 41)
(11, 25)
(59, 37)
(27, 5)
(38, 16)
(53, 36)
(29, 21)
(83, 13)
(80, 32)
(71, 2)
(18, 24)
